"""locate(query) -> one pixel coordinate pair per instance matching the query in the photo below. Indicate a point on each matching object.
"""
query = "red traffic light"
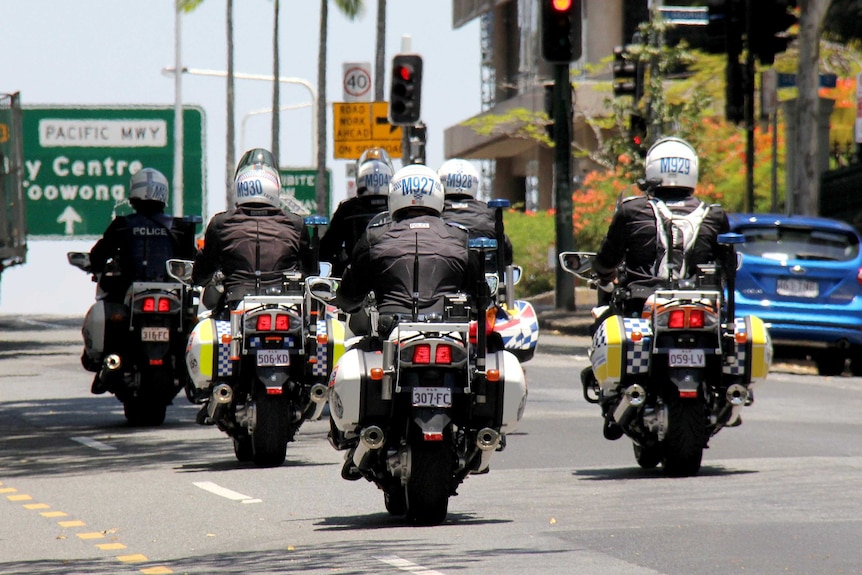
(561, 5)
(405, 72)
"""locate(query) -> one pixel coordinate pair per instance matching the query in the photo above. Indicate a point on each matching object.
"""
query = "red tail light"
(149, 304)
(422, 353)
(264, 322)
(164, 305)
(443, 355)
(695, 318)
(282, 322)
(676, 320)
(859, 276)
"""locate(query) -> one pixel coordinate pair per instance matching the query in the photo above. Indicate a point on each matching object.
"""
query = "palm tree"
(380, 52)
(351, 9)
(230, 156)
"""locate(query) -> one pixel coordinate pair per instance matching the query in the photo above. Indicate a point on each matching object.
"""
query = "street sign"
(362, 125)
(299, 192)
(789, 80)
(78, 162)
(357, 82)
(685, 15)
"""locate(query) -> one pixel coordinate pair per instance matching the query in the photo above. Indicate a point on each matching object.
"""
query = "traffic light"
(770, 21)
(625, 74)
(561, 30)
(638, 133)
(405, 95)
(734, 100)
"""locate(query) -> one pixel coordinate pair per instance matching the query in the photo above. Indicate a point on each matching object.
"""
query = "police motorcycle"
(260, 374)
(674, 376)
(515, 320)
(425, 401)
(136, 346)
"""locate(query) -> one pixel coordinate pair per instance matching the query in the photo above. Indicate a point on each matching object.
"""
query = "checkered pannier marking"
(637, 352)
(224, 366)
(738, 367)
(320, 366)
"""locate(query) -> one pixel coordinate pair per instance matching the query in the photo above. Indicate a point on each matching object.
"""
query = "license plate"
(272, 357)
(432, 397)
(155, 334)
(794, 287)
(686, 358)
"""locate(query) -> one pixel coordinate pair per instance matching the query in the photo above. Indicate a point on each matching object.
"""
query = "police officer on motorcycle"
(639, 223)
(634, 237)
(252, 244)
(373, 173)
(135, 248)
(415, 239)
(461, 184)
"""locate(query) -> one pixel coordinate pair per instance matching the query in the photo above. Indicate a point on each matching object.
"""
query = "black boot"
(98, 387)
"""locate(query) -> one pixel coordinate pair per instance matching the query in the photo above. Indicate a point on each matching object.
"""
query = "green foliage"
(517, 123)
(533, 238)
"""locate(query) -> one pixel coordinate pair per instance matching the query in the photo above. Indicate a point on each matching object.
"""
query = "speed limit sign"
(357, 82)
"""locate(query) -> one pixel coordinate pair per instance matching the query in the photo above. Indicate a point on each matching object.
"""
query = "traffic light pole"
(564, 295)
(749, 112)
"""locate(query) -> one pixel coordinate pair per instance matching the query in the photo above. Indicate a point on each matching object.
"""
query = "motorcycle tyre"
(830, 362)
(427, 491)
(686, 437)
(395, 500)
(647, 457)
(271, 431)
(144, 412)
(243, 448)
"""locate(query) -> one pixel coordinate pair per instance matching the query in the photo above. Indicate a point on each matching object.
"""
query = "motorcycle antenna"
(257, 260)
(416, 278)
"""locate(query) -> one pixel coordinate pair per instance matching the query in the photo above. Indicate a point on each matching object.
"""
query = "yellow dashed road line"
(133, 558)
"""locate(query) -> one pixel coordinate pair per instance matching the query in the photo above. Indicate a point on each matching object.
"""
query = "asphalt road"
(82, 492)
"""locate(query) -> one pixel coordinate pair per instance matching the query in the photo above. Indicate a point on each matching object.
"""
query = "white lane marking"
(225, 492)
(405, 565)
(97, 445)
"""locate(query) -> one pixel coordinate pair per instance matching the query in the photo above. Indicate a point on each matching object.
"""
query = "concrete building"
(514, 76)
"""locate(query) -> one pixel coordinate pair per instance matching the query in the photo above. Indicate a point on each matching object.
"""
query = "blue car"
(803, 276)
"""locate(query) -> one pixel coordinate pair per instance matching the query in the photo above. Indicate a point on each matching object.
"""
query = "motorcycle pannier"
(621, 348)
(753, 355)
(207, 356)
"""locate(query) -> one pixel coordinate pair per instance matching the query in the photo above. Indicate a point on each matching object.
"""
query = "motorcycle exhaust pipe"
(113, 362)
(319, 395)
(633, 397)
(487, 439)
(371, 437)
(736, 396)
(222, 395)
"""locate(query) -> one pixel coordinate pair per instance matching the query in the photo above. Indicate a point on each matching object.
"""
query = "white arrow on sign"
(70, 217)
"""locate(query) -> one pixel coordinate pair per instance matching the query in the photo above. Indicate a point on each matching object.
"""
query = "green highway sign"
(298, 190)
(78, 162)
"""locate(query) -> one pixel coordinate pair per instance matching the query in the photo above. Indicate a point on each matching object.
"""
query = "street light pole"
(178, 116)
(264, 78)
(269, 111)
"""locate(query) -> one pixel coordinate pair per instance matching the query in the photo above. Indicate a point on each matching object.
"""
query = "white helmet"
(415, 186)
(673, 162)
(459, 177)
(258, 184)
(149, 185)
(373, 178)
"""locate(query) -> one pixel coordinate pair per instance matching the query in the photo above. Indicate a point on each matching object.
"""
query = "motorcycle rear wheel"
(271, 430)
(243, 448)
(686, 437)
(647, 457)
(395, 500)
(427, 491)
(144, 412)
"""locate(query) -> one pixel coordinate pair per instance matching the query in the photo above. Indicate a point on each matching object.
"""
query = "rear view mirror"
(180, 270)
(80, 260)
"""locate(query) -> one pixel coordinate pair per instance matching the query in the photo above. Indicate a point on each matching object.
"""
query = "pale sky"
(112, 52)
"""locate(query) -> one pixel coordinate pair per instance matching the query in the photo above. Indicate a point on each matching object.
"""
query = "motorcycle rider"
(639, 222)
(373, 173)
(385, 255)
(634, 237)
(461, 184)
(133, 248)
(252, 244)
